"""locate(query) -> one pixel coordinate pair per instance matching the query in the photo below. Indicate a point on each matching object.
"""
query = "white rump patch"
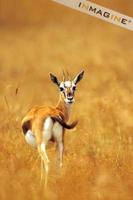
(47, 130)
(48, 124)
(30, 138)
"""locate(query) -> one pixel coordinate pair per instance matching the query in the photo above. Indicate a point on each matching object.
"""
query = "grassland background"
(38, 37)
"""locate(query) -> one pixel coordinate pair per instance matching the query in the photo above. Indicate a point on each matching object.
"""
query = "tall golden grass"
(98, 154)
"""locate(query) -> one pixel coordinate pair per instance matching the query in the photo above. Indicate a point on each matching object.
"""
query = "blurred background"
(38, 37)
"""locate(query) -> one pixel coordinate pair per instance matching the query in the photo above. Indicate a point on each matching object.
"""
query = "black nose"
(69, 94)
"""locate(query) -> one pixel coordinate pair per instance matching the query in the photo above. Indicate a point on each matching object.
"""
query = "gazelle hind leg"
(44, 162)
(43, 149)
(58, 135)
(43, 155)
(46, 135)
(42, 170)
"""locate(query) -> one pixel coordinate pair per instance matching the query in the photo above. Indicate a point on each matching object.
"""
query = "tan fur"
(38, 114)
(44, 123)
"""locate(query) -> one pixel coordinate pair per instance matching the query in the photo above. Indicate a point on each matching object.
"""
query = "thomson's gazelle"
(44, 123)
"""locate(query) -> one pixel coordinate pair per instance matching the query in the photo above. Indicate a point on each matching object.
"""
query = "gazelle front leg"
(58, 134)
(60, 152)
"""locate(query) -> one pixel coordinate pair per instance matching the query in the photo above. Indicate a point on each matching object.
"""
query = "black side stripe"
(64, 124)
(26, 126)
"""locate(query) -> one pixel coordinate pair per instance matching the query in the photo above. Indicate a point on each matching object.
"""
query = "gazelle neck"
(64, 107)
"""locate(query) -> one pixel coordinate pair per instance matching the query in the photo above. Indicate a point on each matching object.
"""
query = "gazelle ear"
(54, 79)
(78, 77)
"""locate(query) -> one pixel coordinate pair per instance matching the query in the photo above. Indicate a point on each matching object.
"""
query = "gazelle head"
(67, 87)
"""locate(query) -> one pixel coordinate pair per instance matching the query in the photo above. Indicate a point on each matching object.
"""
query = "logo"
(103, 13)
(100, 12)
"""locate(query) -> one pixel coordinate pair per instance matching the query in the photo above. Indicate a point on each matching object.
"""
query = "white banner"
(100, 12)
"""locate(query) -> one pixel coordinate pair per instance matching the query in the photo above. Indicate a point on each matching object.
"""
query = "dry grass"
(98, 155)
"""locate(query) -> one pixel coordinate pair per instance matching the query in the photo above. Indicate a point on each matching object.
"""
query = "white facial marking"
(67, 88)
(62, 84)
(68, 101)
(68, 83)
(73, 84)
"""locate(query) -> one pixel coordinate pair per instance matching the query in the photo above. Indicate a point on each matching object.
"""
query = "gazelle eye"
(61, 89)
(74, 87)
